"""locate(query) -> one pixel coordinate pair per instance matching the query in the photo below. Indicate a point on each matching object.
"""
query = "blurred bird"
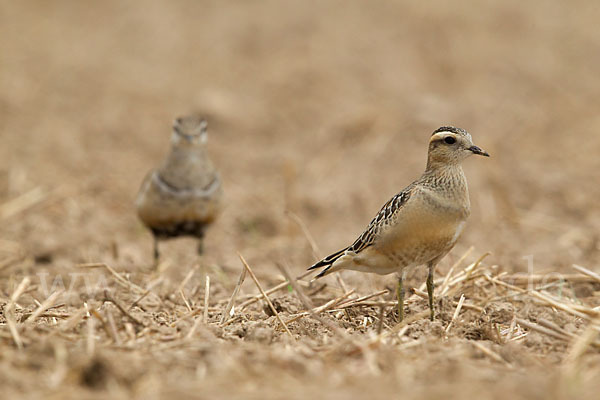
(419, 225)
(182, 197)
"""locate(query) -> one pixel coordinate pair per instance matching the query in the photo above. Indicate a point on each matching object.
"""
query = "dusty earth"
(318, 113)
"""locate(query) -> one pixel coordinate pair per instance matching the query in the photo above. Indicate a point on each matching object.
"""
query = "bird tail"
(327, 262)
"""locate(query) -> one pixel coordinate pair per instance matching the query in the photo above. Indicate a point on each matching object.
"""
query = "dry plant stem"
(105, 326)
(206, 298)
(274, 289)
(587, 272)
(113, 327)
(187, 278)
(444, 285)
(313, 245)
(581, 344)
(197, 323)
(355, 302)
(10, 261)
(44, 306)
(73, 320)
(307, 303)
(522, 279)
(571, 309)
(109, 298)
(187, 304)
(325, 307)
(231, 301)
(491, 354)
(381, 316)
(9, 312)
(119, 278)
(541, 329)
(397, 328)
(90, 337)
(264, 295)
(147, 292)
(456, 312)
(552, 325)
(454, 303)
(22, 202)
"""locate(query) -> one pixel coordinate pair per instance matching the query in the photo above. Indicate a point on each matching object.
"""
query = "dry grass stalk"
(467, 274)
(22, 202)
(192, 331)
(491, 354)
(467, 306)
(511, 329)
(358, 301)
(113, 327)
(149, 288)
(236, 290)
(552, 325)
(12, 260)
(118, 277)
(266, 297)
(185, 301)
(444, 285)
(313, 246)
(587, 272)
(206, 298)
(109, 298)
(524, 279)
(9, 312)
(458, 308)
(325, 307)
(274, 289)
(90, 342)
(308, 304)
(580, 344)
(541, 329)
(562, 306)
(73, 320)
(105, 326)
(187, 278)
(44, 306)
(311, 241)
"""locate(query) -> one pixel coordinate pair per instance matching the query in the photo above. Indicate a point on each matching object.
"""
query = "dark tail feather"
(327, 262)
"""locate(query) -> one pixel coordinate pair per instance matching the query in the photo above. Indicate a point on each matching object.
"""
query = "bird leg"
(200, 248)
(400, 291)
(430, 288)
(156, 252)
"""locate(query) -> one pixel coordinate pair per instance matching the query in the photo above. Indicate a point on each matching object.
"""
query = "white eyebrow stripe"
(441, 135)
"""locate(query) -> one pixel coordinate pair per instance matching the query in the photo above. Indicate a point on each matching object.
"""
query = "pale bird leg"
(430, 288)
(400, 291)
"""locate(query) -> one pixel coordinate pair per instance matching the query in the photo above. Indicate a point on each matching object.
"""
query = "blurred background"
(320, 108)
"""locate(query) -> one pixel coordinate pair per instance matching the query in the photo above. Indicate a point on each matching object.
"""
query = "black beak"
(478, 151)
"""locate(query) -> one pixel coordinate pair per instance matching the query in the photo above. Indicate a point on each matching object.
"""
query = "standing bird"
(182, 197)
(419, 225)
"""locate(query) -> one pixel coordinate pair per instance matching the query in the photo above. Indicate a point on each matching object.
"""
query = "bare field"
(318, 113)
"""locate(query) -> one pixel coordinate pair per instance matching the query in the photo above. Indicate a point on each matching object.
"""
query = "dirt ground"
(318, 112)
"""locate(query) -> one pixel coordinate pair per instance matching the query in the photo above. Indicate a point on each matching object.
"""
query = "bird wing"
(367, 238)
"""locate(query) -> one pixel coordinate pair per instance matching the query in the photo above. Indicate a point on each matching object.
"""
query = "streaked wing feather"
(367, 238)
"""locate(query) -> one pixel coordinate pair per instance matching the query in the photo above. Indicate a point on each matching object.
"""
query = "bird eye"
(450, 140)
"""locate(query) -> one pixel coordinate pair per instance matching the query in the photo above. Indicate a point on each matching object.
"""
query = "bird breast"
(425, 228)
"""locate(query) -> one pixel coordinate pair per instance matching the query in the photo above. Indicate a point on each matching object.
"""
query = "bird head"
(189, 131)
(450, 145)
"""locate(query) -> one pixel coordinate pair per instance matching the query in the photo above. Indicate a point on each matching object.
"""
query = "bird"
(420, 224)
(183, 196)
